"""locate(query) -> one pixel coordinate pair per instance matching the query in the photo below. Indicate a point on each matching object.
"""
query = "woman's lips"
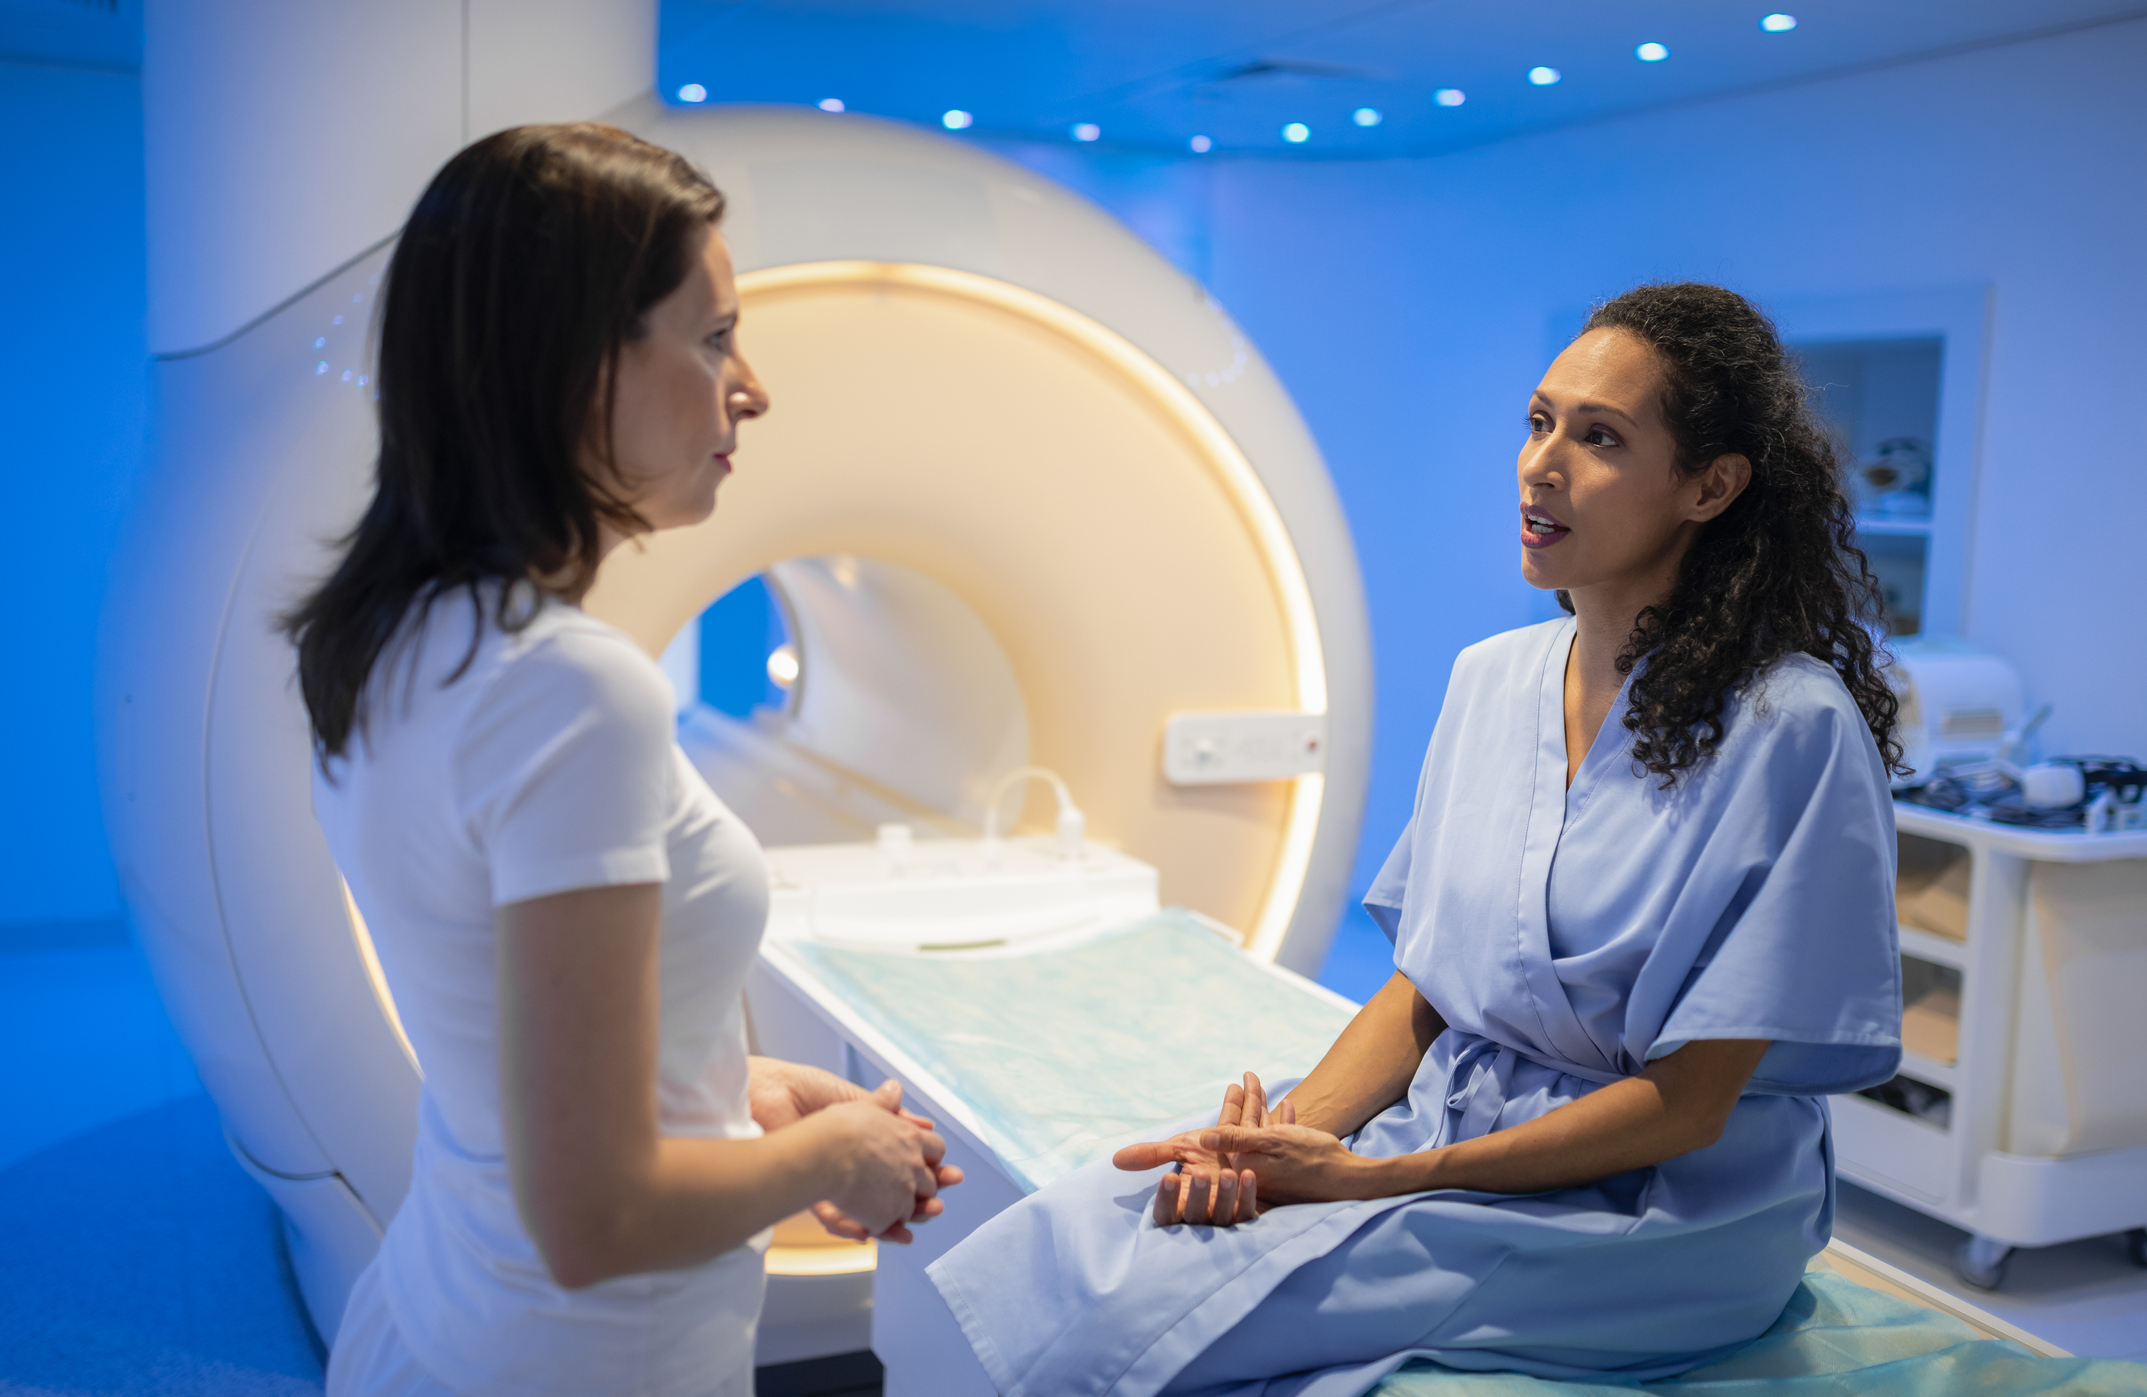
(1540, 530)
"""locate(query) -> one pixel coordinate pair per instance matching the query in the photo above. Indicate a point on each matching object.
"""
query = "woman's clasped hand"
(1253, 1158)
(896, 1171)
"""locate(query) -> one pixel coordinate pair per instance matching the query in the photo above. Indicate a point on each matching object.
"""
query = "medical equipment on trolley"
(1958, 705)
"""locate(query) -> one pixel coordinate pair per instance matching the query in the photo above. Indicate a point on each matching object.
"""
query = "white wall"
(1408, 306)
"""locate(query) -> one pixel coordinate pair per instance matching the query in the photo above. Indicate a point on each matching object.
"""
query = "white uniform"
(548, 764)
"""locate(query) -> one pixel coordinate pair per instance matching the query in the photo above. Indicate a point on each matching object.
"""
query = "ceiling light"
(831, 104)
(1296, 133)
(1449, 96)
(957, 120)
(1201, 145)
(1778, 24)
(783, 666)
(1086, 131)
(1651, 53)
(693, 92)
(1544, 77)
(1366, 116)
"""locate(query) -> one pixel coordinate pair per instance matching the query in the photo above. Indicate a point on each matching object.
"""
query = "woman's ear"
(1720, 485)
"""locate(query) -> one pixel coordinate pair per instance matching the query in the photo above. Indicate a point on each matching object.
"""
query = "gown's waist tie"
(1472, 1111)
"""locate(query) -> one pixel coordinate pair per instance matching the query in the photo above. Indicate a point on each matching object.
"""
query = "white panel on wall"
(368, 102)
(547, 60)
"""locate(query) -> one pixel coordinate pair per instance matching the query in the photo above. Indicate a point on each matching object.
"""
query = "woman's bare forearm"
(602, 1190)
(694, 1199)
(1679, 1104)
(1370, 1066)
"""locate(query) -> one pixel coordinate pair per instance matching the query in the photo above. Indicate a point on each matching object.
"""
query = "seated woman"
(1582, 1130)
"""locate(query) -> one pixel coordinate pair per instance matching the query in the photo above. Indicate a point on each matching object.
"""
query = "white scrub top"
(547, 763)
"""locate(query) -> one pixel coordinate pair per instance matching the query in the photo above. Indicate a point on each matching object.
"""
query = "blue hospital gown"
(1567, 937)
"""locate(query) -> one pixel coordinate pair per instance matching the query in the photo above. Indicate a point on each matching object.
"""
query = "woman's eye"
(1538, 423)
(1599, 437)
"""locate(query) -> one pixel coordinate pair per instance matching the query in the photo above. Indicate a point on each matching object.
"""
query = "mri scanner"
(1027, 497)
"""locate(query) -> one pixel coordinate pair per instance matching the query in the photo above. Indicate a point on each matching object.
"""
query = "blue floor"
(135, 1257)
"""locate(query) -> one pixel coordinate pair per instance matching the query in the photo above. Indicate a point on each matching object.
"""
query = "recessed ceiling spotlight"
(1651, 53)
(1544, 77)
(1449, 96)
(1366, 116)
(831, 104)
(1201, 145)
(1778, 24)
(1086, 131)
(957, 120)
(1296, 133)
(693, 92)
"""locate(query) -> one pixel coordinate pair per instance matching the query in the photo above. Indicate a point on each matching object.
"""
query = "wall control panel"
(1218, 749)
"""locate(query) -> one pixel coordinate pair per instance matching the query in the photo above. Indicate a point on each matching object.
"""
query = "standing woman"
(1643, 926)
(564, 911)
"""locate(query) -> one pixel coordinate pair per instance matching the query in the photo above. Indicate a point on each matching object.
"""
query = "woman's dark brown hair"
(1777, 573)
(531, 257)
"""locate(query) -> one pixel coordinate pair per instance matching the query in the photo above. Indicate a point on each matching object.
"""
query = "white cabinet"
(2020, 1111)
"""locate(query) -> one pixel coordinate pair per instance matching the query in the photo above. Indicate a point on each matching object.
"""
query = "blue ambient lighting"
(320, 368)
(321, 343)
(1449, 96)
(1201, 145)
(1544, 77)
(1366, 116)
(1651, 53)
(957, 120)
(831, 104)
(1086, 131)
(1296, 133)
(693, 92)
(1778, 24)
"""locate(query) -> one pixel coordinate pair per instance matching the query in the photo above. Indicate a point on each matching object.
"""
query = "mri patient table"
(1039, 1055)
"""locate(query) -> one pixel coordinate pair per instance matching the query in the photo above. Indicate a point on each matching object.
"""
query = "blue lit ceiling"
(1153, 74)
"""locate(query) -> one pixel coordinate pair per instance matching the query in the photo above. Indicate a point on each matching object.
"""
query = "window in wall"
(1881, 397)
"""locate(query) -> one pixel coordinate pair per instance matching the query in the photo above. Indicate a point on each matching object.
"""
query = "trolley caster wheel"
(1980, 1261)
(2136, 1245)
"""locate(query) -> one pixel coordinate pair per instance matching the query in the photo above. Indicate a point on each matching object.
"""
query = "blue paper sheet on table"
(1063, 1055)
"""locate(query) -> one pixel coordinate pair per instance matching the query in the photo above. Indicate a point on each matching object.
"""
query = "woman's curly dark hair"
(1778, 572)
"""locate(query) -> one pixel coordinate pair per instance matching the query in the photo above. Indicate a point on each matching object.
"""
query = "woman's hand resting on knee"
(1251, 1159)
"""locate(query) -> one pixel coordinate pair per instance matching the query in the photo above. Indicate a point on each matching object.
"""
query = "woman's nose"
(1539, 462)
(747, 398)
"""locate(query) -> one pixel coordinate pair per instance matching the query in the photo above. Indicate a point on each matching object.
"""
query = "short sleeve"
(1383, 900)
(563, 769)
(1806, 953)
